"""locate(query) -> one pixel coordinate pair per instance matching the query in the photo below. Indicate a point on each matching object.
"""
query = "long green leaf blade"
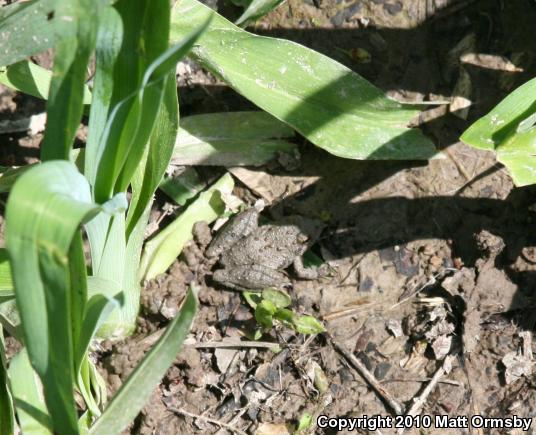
(136, 390)
(40, 225)
(75, 41)
(333, 107)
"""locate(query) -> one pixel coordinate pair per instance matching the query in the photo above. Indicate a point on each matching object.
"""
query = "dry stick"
(419, 402)
(369, 377)
(208, 420)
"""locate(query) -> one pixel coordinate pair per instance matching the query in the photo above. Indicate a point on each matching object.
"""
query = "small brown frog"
(254, 257)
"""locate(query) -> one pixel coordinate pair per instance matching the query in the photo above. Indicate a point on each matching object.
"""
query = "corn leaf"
(75, 42)
(133, 394)
(510, 131)
(231, 139)
(256, 9)
(28, 397)
(26, 28)
(40, 226)
(333, 107)
(7, 417)
(160, 252)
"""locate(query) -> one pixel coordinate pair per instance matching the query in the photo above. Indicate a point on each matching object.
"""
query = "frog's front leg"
(308, 272)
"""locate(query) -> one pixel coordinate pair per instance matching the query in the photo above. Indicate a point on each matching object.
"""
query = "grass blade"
(160, 252)
(333, 107)
(136, 390)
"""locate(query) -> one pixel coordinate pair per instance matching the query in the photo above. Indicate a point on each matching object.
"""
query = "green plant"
(271, 306)
(510, 131)
(103, 192)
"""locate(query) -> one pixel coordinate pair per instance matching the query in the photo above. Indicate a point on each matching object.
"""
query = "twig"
(419, 402)
(207, 419)
(445, 381)
(369, 377)
(236, 343)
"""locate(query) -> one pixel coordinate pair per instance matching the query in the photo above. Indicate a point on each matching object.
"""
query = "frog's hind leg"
(308, 272)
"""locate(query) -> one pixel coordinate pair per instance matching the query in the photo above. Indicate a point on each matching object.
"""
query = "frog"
(254, 257)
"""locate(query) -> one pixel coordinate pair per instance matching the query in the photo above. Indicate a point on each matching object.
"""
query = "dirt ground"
(432, 266)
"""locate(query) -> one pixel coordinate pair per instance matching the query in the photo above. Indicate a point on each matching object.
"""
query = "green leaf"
(163, 249)
(75, 42)
(264, 313)
(26, 28)
(258, 8)
(509, 130)
(108, 45)
(153, 166)
(131, 122)
(8, 176)
(333, 107)
(252, 298)
(279, 298)
(308, 325)
(133, 394)
(7, 417)
(6, 282)
(183, 186)
(32, 79)
(231, 139)
(28, 397)
(40, 226)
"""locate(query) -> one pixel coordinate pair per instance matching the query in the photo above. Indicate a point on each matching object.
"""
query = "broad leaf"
(26, 28)
(333, 107)
(510, 130)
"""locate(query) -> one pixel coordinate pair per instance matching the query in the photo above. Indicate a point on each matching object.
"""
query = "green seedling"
(55, 300)
(270, 307)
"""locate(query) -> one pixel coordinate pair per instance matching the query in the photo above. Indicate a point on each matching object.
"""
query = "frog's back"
(270, 245)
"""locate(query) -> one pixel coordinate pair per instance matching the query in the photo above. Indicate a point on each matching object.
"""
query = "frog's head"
(309, 229)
